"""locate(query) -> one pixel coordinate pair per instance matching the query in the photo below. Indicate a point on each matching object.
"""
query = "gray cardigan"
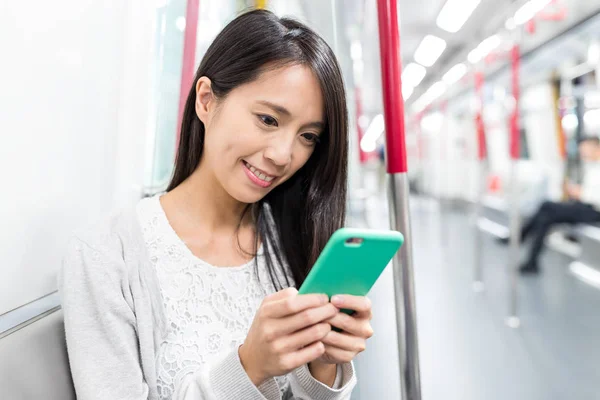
(115, 322)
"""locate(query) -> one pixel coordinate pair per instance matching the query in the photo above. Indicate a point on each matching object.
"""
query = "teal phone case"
(347, 267)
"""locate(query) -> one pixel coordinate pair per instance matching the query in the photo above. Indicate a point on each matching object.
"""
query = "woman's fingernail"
(337, 299)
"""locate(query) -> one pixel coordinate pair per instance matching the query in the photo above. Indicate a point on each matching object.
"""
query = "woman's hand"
(286, 333)
(342, 347)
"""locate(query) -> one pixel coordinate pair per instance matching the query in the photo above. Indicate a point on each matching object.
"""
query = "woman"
(153, 308)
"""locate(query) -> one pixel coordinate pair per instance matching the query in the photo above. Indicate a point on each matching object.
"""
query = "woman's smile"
(257, 176)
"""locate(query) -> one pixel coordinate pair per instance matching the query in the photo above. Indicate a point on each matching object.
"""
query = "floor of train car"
(467, 352)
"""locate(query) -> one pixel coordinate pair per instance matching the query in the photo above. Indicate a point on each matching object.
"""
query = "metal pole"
(406, 317)
(445, 197)
(478, 284)
(515, 216)
(334, 27)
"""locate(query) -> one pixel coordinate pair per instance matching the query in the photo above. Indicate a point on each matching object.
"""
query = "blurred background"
(90, 105)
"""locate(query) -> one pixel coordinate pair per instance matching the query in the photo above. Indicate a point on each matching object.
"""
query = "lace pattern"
(209, 309)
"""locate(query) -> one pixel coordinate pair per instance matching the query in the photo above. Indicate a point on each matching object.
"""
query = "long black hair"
(310, 206)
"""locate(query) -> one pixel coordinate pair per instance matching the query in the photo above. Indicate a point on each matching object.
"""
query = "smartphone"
(351, 262)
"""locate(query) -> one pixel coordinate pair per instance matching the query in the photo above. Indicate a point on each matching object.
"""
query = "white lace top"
(146, 319)
(209, 309)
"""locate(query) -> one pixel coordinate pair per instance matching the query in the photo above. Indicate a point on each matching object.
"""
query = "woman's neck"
(212, 224)
(204, 203)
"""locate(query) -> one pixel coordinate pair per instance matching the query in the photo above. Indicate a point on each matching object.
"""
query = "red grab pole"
(189, 59)
(479, 81)
(515, 143)
(397, 168)
(363, 157)
(391, 72)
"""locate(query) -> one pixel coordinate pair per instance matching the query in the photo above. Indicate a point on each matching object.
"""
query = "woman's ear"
(204, 99)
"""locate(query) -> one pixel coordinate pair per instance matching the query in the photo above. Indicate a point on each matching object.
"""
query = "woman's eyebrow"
(317, 125)
(276, 107)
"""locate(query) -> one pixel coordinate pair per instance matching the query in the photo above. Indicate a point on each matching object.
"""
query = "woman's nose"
(279, 151)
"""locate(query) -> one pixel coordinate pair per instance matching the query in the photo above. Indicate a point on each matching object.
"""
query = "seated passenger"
(152, 312)
(583, 206)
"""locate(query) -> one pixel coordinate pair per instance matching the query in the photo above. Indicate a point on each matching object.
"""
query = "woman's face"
(263, 132)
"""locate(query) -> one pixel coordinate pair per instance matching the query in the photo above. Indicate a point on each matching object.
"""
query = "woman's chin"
(249, 196)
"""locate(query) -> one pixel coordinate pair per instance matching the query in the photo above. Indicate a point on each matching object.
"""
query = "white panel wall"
(74, 107)
(540, 125)
(449, 168)
(462, 164)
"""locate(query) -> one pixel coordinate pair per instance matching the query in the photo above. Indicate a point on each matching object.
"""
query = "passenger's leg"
(547, 207)
(555, 213)
(539, 235)
(531, 225)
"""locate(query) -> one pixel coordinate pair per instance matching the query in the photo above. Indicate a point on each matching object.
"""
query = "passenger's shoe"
(506, 240)
(529, 268)
(503, 241)
(571, 237)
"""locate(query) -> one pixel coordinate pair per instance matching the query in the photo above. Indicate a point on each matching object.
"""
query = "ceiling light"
(484, 49)
(434, 92)
(368, 143)
(474, 56)
(489, 44)
(455, 74)
(356, 50)
(407, 91)
(430, 49)
(180, 23)
(455, 13)
(510, 24)
(529, 10)
(368, 146)
(413, 74)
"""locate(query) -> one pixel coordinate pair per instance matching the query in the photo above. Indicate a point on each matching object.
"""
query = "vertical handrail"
(478, 284)
(397, 168)
(363, 157)
(515, 216)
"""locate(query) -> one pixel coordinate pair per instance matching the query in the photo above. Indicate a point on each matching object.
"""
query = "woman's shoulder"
(107, 230)
(97, 261)
(110, 237)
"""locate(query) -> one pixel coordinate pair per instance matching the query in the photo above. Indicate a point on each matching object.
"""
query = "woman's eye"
(268, 120)
(311, 138)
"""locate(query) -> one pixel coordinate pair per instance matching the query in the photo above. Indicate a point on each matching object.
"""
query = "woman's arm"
(304, 386)
(324, 373)
(103, 344)
(100, 327)
(340, 348)
(268, 351)
(224, 380)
